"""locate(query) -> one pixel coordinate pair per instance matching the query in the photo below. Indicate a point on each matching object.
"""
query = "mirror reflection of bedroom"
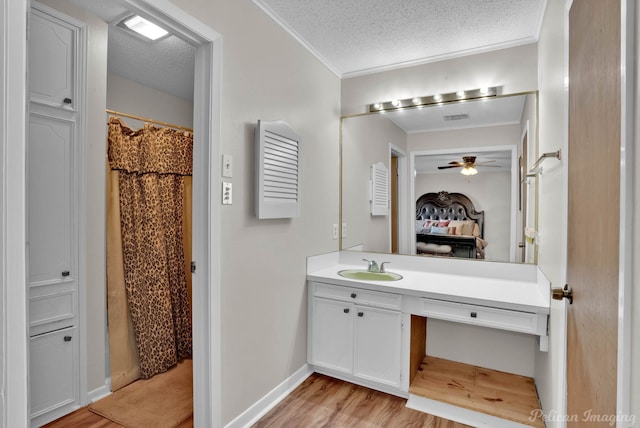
(471, 199)
(460, 191)
(148, 116)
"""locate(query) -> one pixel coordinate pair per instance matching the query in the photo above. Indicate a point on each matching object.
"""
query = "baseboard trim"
(269, 401)
(100, 392)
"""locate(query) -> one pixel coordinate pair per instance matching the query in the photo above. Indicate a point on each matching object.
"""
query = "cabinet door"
(51, 59)
(377, 347)
(51, 201)
(332, 334)
(53, 371)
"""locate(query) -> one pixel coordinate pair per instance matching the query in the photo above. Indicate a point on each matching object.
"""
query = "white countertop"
(494, 285)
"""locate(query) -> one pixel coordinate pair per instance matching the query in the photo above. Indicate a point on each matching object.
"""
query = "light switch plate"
(227, 195)
(227, 166)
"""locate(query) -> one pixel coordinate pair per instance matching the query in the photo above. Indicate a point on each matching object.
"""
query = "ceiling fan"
(468, 165)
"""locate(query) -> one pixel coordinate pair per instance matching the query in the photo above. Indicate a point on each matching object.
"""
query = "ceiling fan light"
(469, 170)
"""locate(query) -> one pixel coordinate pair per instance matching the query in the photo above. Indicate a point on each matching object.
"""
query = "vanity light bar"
(434, 99)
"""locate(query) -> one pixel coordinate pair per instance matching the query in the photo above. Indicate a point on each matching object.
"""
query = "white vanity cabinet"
(355, 334)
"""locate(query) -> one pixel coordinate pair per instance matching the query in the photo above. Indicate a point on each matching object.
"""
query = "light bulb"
(469, 170)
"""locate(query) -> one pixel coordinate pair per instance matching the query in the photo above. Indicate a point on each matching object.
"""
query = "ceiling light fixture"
(142, 27)
(469, 170)
(450, 97)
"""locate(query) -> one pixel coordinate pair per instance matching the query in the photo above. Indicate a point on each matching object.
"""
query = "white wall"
(365, 141)
(490, 192)
(127, 96)
(13, 372)
(3, 106)
(514, 69)
(552, 196)
(635, 326)
(268, 75)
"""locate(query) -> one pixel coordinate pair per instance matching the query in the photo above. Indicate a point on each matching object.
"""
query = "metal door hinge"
(193, 267)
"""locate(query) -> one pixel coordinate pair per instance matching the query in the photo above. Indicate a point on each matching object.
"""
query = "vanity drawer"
(525, 322)
(358, 295)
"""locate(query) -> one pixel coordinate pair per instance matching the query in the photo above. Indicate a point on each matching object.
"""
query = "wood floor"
(320, 401)
(492, 392)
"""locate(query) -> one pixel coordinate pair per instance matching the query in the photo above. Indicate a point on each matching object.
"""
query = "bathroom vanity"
(374, 332)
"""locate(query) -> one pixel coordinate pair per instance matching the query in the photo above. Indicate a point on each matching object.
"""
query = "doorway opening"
(398, 201)
(205, 217)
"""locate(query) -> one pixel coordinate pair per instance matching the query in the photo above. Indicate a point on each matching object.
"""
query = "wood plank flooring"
(84, 418)
(320, 401)
(492, 392)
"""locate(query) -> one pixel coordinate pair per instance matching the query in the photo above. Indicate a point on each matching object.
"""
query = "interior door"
(594, 207)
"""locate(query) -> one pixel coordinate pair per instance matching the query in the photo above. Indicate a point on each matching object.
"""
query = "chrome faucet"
(373, 266)
(382, 266)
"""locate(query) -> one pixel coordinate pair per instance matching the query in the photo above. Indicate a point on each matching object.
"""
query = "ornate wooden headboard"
(448, 206)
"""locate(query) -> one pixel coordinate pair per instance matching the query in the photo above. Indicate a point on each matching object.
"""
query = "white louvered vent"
(379, 189)
(278, 171)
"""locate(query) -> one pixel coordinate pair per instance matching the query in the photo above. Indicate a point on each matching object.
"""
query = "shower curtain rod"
(144, 119)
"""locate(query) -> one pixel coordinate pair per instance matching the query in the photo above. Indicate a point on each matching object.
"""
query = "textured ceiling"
(355, 37)
(166, 65)
(350, 37)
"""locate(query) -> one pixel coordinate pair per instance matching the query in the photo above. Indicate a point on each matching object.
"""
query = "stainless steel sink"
(365, 275)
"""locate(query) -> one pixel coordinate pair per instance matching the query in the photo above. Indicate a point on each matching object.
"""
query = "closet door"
(51, 224)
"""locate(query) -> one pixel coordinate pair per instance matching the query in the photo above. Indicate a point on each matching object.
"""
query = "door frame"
(625, 269)
(625, 281)
(402, 192)
(14, 401)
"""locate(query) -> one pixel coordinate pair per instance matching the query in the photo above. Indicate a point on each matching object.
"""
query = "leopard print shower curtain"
(152, 164)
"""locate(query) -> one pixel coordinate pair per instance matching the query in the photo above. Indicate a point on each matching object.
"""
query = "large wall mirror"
(458, 180)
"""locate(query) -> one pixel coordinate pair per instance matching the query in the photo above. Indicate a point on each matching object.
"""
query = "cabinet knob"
(360, 314)
(474, 315)
(67, 338)
(353, 295)
(67, 101)
(65, 273)
(345, 310)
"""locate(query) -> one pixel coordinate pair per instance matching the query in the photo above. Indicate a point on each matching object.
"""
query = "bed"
(449, 221)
